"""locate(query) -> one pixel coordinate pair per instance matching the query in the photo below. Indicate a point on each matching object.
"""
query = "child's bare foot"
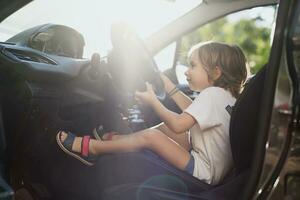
(99, 134)
(110, 136)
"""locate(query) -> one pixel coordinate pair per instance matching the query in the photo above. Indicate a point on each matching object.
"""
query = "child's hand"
(147, 97)
(169, 85)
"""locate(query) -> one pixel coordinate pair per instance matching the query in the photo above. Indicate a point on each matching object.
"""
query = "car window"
(93, 18)
(165, 58)
(250, 29)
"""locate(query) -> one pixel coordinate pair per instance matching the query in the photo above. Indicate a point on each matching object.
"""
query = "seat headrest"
(244, 120)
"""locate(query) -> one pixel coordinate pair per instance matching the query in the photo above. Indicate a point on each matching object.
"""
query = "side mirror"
(38, 40)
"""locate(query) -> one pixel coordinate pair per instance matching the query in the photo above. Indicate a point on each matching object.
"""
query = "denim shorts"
(153, 156)
(190, 166)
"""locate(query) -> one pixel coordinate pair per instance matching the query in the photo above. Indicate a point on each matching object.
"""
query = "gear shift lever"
(95, 66)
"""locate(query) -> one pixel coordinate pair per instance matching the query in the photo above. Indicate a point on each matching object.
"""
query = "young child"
(197, 140)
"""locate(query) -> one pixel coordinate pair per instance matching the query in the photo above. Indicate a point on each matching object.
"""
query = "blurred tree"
(252, 38)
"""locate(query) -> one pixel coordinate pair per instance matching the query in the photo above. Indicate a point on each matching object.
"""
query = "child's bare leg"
(152, 139)
(181, 138)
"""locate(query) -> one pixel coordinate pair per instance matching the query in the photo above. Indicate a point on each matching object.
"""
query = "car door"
(7, 7)
(278, 145)
(5, 190)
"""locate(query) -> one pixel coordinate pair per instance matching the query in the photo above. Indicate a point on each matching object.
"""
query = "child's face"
(196, 75)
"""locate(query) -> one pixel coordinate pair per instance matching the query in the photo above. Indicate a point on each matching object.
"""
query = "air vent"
(30, 56)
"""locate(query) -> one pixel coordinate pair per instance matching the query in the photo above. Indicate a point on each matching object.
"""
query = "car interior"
(47, 86)
(78, 104)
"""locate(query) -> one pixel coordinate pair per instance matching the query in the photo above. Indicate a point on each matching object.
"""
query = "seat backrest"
(244, 120)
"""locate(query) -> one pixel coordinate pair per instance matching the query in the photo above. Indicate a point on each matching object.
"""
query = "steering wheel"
(131, 64)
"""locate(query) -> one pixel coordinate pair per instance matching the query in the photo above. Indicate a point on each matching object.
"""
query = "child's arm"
(178, 123)
(182, 100)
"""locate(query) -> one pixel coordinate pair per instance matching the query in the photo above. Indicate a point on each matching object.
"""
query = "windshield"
(93, 18)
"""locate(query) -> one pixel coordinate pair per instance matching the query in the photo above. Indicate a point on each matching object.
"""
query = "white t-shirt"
(210, 135)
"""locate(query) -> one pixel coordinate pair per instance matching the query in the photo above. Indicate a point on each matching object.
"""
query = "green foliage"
(252, 38)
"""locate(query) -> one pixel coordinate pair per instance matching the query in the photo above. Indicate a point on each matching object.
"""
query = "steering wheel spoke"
(131, 64)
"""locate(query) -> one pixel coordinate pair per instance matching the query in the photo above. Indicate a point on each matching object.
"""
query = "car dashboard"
(43, 93)
(46, 77)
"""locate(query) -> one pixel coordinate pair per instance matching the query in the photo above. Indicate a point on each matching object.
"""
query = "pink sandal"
(84, 156)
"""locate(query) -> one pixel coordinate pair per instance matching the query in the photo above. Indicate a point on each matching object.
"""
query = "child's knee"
(153, 136)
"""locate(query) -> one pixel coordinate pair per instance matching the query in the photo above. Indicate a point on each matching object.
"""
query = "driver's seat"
(243, 134)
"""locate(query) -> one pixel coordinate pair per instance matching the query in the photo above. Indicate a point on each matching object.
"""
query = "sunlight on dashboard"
(93, 18)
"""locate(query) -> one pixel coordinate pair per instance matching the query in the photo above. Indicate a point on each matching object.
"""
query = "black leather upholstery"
(243, 124)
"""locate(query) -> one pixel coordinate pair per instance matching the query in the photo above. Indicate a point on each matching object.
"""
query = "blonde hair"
(229, 58)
